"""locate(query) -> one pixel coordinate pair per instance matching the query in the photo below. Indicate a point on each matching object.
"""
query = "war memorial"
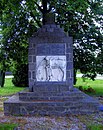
(50, 91)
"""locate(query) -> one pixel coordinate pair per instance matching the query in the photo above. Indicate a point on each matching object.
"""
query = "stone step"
(14, 106)
(28, 96)
(51, 87)
(75, 92)
(46, 109)
(49, 98)
(44, 93)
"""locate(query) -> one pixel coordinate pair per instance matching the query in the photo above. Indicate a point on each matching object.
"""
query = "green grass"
(97, 85)
(8, 126)
(9, 88)
(95, 127)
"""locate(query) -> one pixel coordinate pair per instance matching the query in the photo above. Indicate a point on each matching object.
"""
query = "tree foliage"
(82, 19)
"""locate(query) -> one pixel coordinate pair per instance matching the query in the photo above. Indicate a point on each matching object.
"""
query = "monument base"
(50, 103)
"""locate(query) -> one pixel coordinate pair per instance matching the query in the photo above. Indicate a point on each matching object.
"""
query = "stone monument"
(50, 71)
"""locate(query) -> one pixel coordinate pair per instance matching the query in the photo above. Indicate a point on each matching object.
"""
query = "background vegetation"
(9, 88)
(90, 87)
(81, 19)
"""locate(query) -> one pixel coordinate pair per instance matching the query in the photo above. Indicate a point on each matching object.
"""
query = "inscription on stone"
(51, 68)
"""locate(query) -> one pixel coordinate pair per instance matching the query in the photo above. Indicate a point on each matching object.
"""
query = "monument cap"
(50, 18)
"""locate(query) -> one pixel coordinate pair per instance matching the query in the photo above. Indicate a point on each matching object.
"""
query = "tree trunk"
(44, 12)
(2, 78)
(75, 79)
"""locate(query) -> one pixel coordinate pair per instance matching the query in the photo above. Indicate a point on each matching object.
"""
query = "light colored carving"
(51, 68)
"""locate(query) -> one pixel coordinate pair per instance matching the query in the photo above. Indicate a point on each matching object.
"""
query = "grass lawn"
(97, 85)
(95, 127)
(8, 126)
(9, 88)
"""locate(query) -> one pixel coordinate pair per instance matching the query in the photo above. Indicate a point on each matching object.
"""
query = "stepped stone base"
(50, 103)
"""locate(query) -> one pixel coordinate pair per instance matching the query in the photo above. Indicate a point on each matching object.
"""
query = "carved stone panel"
(51, 68)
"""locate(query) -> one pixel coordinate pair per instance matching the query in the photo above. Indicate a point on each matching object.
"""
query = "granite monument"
(51, 91)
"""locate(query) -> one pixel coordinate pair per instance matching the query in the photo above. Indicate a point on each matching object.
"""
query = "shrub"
(21, 76)
(88, 90)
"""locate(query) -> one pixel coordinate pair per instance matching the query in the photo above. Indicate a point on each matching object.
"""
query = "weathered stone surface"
(30, 59)
(50, 40)
(51, 49)
(32, 66)
(28, 103)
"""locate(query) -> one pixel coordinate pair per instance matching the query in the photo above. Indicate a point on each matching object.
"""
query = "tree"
(99, 60)
(2, 63)
(82, 19)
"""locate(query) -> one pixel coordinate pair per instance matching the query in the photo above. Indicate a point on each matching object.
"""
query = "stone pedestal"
(50, 103)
